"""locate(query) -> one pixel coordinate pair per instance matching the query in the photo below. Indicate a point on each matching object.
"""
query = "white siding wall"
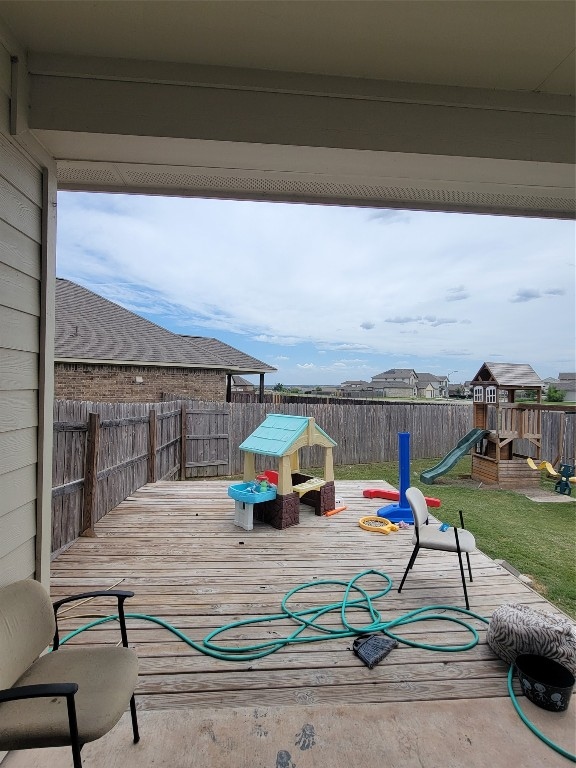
(20, 309)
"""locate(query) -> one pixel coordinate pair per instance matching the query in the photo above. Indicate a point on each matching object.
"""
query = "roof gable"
(515, 375)
(280, 434)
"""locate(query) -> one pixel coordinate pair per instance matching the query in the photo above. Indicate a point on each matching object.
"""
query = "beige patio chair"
(63, 698)
(431, 537)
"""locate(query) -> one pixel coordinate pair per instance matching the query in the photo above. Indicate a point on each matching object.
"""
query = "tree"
(278, 387)
(555, 395)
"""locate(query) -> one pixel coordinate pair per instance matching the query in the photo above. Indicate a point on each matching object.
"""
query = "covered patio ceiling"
(452, 105)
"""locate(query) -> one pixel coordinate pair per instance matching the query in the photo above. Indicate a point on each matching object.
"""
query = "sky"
(328, 294)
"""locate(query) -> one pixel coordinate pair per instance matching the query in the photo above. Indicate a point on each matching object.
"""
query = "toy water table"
(245, 495)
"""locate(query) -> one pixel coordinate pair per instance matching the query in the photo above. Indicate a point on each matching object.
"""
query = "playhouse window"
(490, 394)
(478, 394)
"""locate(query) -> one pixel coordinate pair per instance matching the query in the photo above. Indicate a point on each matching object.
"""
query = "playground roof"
(280, 435)
(511, 375)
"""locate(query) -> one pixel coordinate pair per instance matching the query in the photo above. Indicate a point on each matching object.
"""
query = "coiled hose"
(355, 597)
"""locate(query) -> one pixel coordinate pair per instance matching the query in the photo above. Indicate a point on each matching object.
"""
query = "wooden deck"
(175, 545)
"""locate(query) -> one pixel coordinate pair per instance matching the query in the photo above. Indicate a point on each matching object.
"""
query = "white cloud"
(290, 275)
(457, 294)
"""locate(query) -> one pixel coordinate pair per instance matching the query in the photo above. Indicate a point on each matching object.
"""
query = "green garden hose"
(533, 728)
(309, 618)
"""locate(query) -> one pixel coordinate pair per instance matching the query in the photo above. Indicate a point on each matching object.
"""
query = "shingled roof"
(90, 328)
(513, 375)
(231, 356)
(392, 373)
(422, 377)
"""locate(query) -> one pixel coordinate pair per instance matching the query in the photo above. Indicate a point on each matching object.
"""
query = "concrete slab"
(542, 495)
(445, 734)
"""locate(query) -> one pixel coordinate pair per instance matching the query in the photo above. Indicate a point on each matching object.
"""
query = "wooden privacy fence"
(104, 452)
(365, 433)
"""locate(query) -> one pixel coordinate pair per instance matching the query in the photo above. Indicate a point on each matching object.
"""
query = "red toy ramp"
(381, 493)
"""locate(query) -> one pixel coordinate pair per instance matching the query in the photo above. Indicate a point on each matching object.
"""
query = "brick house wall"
(117, 383)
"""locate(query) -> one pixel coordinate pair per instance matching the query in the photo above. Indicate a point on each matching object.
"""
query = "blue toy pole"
(402, 511)
(404, 468)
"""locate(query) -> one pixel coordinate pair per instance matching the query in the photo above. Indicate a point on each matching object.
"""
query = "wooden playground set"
(509, 454)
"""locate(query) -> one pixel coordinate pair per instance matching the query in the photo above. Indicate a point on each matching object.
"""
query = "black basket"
(545, 682)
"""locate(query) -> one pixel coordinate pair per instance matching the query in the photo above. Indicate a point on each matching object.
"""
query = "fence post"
(90, 474)
(152, 446)
(183, 443)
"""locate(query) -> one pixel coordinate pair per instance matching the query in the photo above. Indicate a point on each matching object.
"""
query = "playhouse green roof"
(277, 434)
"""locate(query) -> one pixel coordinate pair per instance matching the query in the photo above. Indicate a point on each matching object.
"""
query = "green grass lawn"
(538, 539)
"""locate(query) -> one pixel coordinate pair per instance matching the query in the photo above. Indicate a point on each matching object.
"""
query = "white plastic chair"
(431, 537)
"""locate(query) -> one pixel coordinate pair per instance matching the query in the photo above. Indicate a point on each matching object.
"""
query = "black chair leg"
(73, 726)
(463, 579)
(469, 568)
(134, 720)
(409, 566)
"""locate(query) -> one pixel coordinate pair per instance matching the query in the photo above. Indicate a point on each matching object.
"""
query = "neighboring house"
(428, 389)
(402, 382)
(459, 391)
(547, 381)
(396, 382)
(567, 383)
(317, 389)
(349, 386)
(107, 353)
(239, 384)
(406, 382)
(431, 386)
(357, 389)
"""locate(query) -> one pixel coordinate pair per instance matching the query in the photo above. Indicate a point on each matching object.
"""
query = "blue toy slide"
(461, 449)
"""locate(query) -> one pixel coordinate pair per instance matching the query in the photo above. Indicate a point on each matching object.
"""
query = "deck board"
(176, 546)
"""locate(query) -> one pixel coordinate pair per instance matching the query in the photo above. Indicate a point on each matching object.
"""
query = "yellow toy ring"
(377, 524)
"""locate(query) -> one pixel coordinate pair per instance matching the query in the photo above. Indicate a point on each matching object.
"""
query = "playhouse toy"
(377, 524)
(392, 495)
(281, 437)
(401, 511)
